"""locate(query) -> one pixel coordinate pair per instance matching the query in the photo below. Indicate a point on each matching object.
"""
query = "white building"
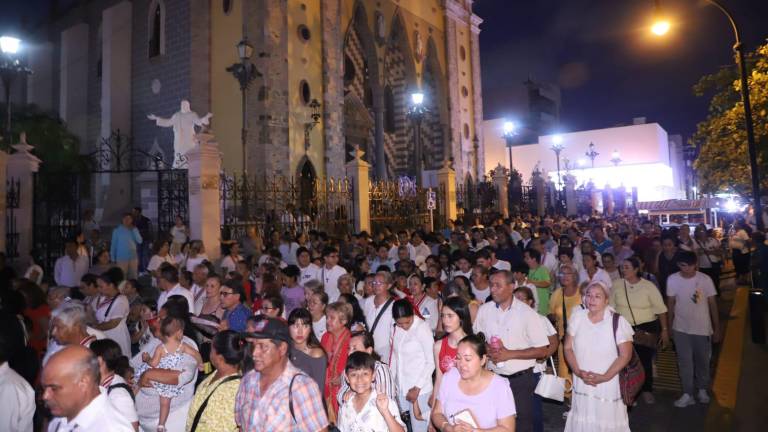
(649, 160)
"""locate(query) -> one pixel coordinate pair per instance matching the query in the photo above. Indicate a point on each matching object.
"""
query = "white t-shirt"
(330, 280)
(318, 327)
(481, 295)
(369, 419)
(381, 335)
(502, 265)
(229, 264)
(177, 290)
(156, 261)
(121, 399)
(179, 234)
(288, 252)
(37, 269)
(308, 273)
(119, 309)
(428, 309)
(542, 366)
(691, 303)
(18, 398)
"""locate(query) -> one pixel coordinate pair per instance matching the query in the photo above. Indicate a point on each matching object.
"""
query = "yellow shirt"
(556, 307)
(219, 415)
(644, 298)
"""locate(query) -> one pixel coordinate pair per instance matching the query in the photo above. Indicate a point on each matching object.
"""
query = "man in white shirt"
(382, 258)
(17, 396)
(67, 327)
(71, 391)
(486, 257)
(169, 285)
(402, 240)
(71, 267)
(378, 314)
(517, 337)
(199, 278)
(229, 262)
(330, 273)
(420, 249)
(147, 406)
(692, 309)
(309, 271)
(548, 259)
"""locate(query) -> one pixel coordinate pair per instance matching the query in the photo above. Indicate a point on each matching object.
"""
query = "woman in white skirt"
(590, 349)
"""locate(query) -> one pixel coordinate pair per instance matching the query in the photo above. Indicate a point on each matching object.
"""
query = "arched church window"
(156, 28)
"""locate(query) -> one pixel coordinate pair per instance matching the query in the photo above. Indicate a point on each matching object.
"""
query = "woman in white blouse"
(592, 271)
(111, 309)
(412, 363)
(591, 351)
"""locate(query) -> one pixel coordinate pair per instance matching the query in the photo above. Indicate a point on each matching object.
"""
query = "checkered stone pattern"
(396, 143)
(431, 128)
(353, 49)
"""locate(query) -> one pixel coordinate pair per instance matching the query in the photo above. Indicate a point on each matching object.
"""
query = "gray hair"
(70, 314)
(509, 278)
(314, 285)
(386, 275)
(59, 291)
(89, 366)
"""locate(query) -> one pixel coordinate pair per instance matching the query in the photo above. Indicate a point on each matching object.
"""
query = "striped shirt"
(382, 383)
(256, 412)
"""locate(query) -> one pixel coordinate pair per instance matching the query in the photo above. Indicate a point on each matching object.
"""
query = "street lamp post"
(245, 73)
(592, 154)
(557, 146)
(615, 158)
(315, 116)
(510, 135)
(416, 114)
(10, 67)
(660, 27)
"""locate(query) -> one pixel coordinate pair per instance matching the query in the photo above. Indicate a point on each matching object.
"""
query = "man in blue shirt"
(123, 249)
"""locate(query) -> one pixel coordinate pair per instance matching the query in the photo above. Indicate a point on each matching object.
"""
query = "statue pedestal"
(446, 180)
(500, 176)
(22, 165)
(204, 201)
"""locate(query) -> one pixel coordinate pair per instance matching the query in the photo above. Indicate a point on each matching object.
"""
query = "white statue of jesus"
(183, 123)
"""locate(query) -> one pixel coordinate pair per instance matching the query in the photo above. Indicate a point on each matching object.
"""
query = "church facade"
(103, 65)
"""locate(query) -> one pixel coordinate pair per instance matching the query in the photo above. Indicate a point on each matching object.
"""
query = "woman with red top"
(39, 313)
(335, 342)
(457, 324)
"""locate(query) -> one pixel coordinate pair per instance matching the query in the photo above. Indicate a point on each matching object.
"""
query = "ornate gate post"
(22, 165)
(3, 195)
(204, 205)
(358, 171)
(500, 176)
(446, 180)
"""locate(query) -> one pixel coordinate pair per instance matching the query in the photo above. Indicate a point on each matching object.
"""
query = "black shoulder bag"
(381, 312)
(641, 337)
(201, 410)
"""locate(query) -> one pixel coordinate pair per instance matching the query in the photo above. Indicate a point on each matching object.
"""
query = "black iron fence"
(12, 201)
(284, 204)
(400, 204)
(477, 203)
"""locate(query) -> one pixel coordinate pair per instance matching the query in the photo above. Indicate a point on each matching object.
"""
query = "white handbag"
(551, 386)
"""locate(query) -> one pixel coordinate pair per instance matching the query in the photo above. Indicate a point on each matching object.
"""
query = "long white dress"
(600, 408)
(119, 309)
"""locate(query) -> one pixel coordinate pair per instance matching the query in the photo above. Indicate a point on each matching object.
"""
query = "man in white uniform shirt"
(71, 391)
(71, 267)
(17, 396)
(330, 273)
(378, 314)
(199, 278)
(309, 271)
(169, 285)
(420, 249)
(517, 337)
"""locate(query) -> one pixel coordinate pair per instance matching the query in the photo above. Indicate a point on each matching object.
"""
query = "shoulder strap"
(565, 318)
(201, 410)
(122, 386)
(109, 308)
(626, 293)
(615, 327)
(381, 312)
(290, 396)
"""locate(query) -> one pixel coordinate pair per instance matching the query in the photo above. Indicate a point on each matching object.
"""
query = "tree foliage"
(723, 161)
(55, 145)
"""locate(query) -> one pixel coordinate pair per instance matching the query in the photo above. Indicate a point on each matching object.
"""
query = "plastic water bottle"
(496, 344)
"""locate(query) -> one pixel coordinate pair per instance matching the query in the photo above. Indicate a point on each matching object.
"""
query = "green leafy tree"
(58, 148)
(723, 161)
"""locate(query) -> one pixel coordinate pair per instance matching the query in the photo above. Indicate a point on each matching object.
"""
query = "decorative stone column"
(608, 204)
(446, 180)
(204, 201)
(22, 165)
(540, 187)
(358, 171)
(571, 207)
(500, 177)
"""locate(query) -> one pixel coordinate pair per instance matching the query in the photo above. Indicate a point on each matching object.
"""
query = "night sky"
(599, 51)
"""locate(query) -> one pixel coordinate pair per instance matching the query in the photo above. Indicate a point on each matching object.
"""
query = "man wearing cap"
(276, 395)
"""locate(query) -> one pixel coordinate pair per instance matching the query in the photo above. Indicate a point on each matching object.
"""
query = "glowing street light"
(592, 154)
(661, 27)
(10, 67)
(510, 135)
(9, 45)
(557, 146)
(416, 113)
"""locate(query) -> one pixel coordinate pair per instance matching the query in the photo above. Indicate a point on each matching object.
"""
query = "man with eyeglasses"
(692, 308)
(275, 395)
(235, 312)
(378, 313)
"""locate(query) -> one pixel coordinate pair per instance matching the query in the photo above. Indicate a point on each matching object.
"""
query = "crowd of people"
(412, 330)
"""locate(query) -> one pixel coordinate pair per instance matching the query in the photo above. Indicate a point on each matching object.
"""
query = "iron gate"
(12, 197)
(58, 196)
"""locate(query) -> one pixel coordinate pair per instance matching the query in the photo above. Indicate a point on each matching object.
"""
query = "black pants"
(523, 387)
(647, 354)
